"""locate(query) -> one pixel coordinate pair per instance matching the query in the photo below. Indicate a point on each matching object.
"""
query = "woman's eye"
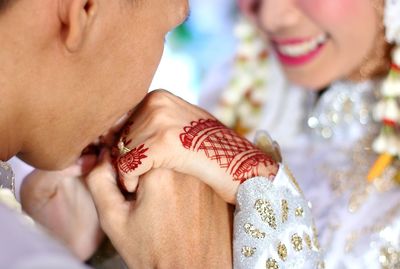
(255, 6)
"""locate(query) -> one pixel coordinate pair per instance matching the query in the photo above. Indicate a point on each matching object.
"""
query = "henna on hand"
(131, 160)
(241, 159)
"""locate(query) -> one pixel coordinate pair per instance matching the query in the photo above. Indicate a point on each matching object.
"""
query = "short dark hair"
(4, 3)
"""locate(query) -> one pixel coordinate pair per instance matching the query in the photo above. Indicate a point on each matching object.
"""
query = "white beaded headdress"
(387, 111)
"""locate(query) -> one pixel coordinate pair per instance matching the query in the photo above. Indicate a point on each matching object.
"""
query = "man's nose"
(275, 16)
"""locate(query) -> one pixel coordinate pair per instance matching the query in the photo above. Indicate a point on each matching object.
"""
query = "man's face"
(80, 95)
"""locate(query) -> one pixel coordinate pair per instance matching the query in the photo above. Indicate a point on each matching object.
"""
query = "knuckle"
(159, 98)
(165, 137)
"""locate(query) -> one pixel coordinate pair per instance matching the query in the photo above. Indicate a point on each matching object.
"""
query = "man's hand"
(61, 203)
(167, 132)
(175, 222)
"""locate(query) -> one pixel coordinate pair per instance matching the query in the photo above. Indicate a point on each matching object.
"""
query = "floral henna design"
(232, 152)
(131, 160)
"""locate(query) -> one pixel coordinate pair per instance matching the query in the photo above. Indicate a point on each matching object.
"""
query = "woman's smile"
(299, 51)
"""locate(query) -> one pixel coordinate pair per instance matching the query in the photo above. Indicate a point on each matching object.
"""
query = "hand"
(61, 203)
(175, 222)
(167, 132)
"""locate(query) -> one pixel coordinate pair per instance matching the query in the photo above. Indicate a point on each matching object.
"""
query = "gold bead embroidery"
(272, 264)
(285, 210)
(321, 265)
(297, 242)
(282, 251)
(315, 237)
(253, 232)
(307, 239)
(248, 251)
(265, 210)
(299, 212)
(389, 257)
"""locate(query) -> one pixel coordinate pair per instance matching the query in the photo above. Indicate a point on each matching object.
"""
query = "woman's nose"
(276, 16)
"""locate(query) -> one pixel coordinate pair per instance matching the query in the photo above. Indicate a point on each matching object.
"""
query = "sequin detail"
(297, 242)
(299, 212)
(282, 251)
(285, 210)
(253, 231)
(248, 251)
(272, 264)
(389, 258)
(307, 239)
(266, 212)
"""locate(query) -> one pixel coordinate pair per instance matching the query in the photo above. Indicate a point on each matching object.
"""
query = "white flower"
(396, 55)
(392, 20)
(245, 29)
(391, 87)
(245, 110)
(225, 115)
(391, 111)
(259, 95)
(380, 143)
(392, 144)
(379, 111)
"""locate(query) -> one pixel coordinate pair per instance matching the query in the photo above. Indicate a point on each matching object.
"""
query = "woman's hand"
(175, 221)
(167, 132)
(61, 203)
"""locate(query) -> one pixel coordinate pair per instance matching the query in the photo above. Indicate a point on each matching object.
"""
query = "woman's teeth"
(303, 48)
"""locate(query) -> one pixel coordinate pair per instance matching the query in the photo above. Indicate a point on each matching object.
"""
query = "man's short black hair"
(4, 3)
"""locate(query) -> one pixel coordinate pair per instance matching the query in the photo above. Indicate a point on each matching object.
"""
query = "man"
(70, 70)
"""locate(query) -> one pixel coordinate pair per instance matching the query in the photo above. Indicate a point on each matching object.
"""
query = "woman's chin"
(312, 82)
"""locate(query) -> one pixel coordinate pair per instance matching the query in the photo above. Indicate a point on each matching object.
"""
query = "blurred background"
(200, 44)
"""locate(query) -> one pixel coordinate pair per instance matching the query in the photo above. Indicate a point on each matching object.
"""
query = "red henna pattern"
(231, 151)
(131, 160)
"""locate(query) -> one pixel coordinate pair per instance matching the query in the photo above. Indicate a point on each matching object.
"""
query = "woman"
(311, 74)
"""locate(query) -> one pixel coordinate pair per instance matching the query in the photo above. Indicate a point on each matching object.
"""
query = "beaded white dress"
(326, 143)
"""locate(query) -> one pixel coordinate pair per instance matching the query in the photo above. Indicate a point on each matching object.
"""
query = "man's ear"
(76, 17)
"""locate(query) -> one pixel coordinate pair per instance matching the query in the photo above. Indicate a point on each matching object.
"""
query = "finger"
(87, 163)
(82, 167)
(109, 201)
(133, 164)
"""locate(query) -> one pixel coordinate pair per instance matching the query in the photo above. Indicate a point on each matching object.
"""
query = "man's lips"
(110, 138)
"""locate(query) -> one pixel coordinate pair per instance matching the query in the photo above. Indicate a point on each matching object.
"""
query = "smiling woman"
(311, 73)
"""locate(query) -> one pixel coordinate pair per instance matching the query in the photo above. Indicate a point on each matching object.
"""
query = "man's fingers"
(109, 201)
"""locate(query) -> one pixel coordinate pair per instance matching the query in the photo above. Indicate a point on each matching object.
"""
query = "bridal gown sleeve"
(273, 227)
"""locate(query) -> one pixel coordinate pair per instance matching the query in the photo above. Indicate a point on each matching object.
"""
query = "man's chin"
(42, 162)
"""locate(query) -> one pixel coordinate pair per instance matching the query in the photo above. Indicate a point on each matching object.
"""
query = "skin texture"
(161, 135)
(145, 231)
(84, 52)
(190, 215)
(350, 52)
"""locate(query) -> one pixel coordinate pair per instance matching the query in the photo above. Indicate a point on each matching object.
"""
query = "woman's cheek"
(328, 13)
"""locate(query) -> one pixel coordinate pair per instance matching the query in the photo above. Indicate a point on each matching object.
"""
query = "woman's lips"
(294, 52)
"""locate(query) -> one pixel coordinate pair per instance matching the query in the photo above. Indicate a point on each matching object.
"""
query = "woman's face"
(318, 41)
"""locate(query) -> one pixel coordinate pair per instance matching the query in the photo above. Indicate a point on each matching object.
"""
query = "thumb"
(110, 204)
